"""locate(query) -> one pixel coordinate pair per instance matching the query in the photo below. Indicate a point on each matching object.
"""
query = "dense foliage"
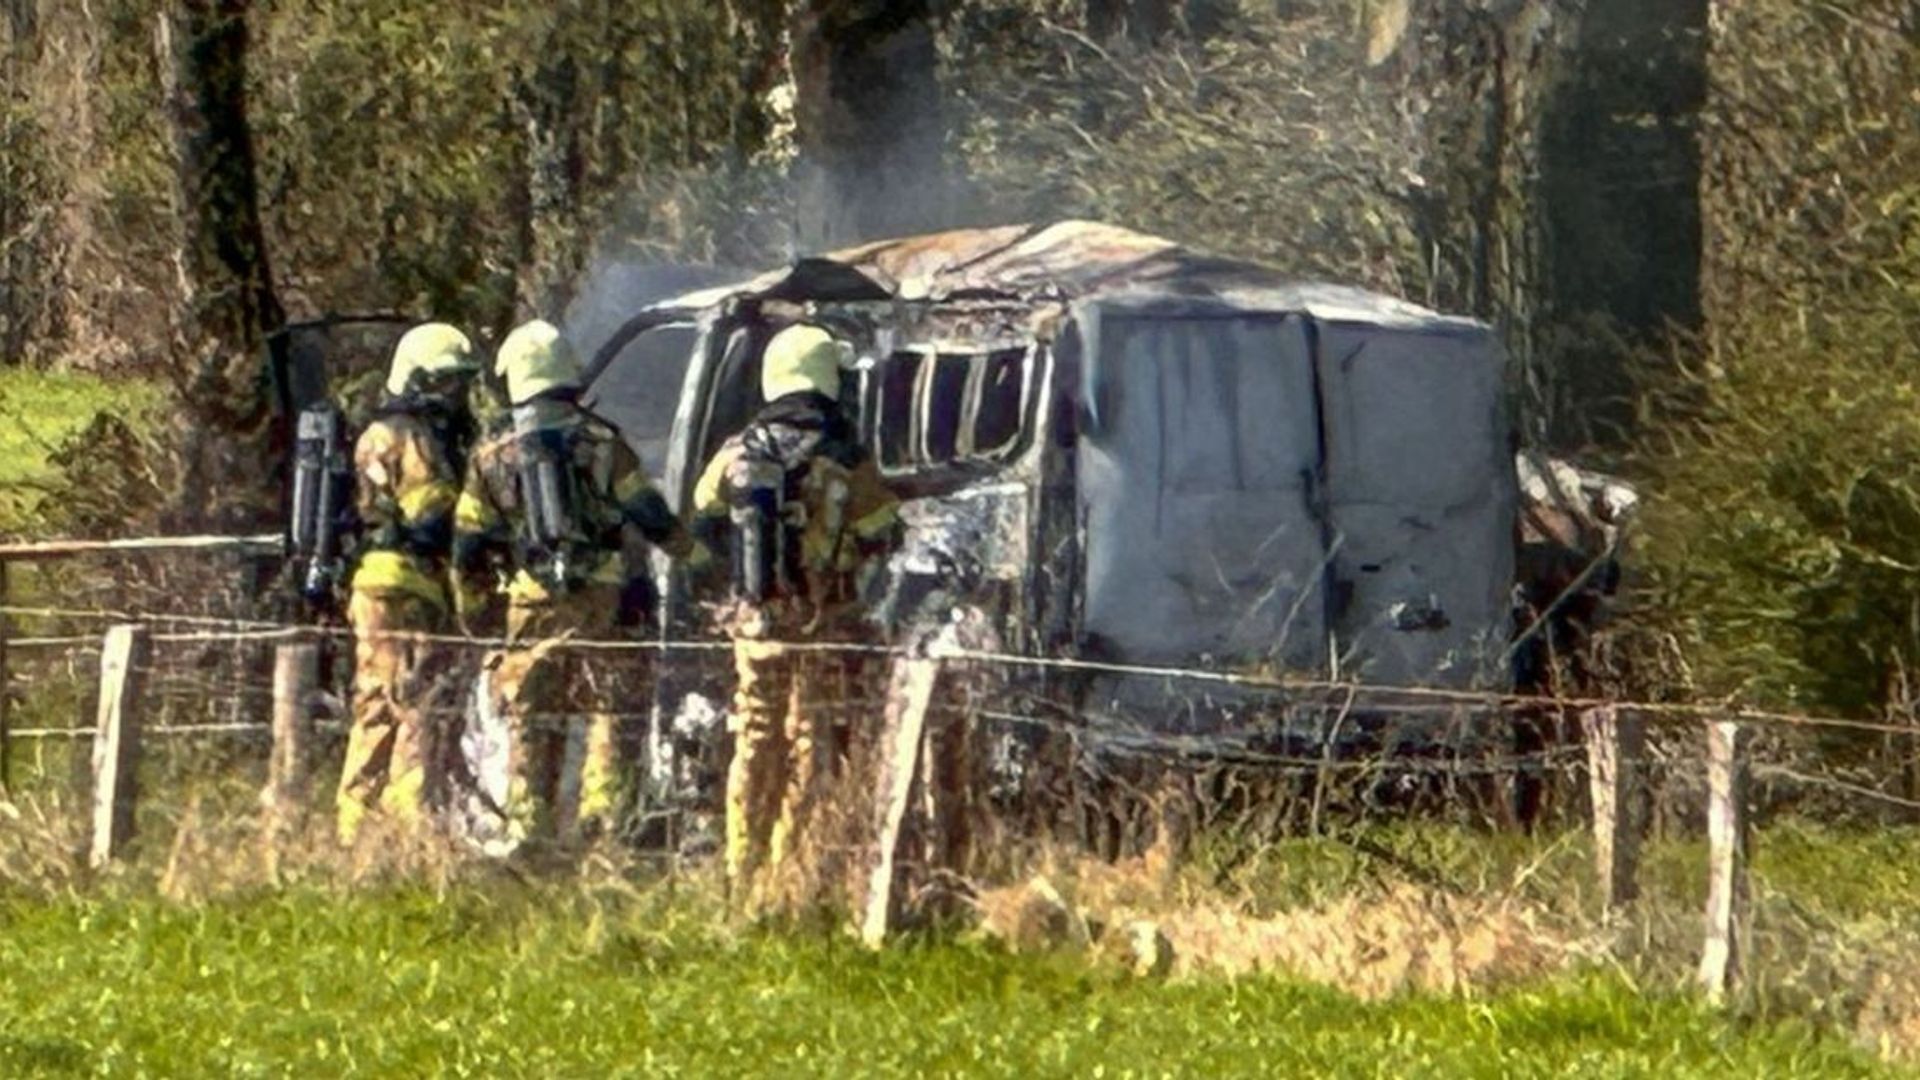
(1269, 142)
(1782, 451)
(393, 146)
(396, 138)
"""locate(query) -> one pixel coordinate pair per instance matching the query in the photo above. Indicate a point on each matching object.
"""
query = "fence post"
(296, 676)
(116, 740)
(1615, 745)
(1727, 842)
(909, 696)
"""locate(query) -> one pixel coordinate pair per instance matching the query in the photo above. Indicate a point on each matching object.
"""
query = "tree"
(872, 127)
(1783, 457)
(231, 306)
(43, 76)
(1560, 155)
(546, 107)
(26, 193)
(469, 160)
(1620, 182)
(1262, 140)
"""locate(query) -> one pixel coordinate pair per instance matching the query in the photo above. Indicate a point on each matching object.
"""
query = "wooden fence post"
(1616, 743)
(116, 740)
(1727, 841)
(296, 676)
(909, 696)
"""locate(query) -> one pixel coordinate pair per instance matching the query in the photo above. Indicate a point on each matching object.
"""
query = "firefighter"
(809, 516)
(407, 464)
(552, 499)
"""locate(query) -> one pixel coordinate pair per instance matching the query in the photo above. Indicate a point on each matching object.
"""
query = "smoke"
(614, 290)
(639, 391)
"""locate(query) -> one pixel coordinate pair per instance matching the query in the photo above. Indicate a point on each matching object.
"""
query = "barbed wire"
(162, 729)
(1765, 770)
(1376, 699)
(1208, 749)
(165, 618)
(71, 642)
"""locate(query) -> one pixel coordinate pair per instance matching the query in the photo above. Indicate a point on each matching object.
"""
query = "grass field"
(499, 975)
(40, 409)
(526, 981)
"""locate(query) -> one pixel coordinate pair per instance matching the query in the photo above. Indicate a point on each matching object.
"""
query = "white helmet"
(801, 359)
(534, 359)
(434, 348)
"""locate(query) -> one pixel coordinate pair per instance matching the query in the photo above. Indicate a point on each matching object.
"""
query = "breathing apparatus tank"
(550, 523)
(321, 509)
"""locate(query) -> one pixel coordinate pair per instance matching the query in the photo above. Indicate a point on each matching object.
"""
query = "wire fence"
(1017, 755)
(211, 678)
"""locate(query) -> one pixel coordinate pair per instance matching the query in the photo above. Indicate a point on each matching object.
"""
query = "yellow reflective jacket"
(612, 496)
(407, 487)
(838, 543)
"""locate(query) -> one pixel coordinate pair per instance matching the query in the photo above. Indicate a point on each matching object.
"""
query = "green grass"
(1839, 874)
(1842, 874)
(39, 410)
(511, 981)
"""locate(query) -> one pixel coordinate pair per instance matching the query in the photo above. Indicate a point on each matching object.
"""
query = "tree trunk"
(32, 186)
(549, 111)
(232, 303)
(1620, 177)
(16, 207)
(871, 127)
(231, 306)
(1563, 174)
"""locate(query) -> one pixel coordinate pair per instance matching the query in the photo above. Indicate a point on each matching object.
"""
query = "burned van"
(1117, 449)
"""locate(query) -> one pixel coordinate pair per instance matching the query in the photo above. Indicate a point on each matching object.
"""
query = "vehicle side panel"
(1422, 498)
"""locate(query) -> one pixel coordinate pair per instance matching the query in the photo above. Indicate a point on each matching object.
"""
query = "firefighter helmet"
(801, 359)
(429, 350)
(536, 359)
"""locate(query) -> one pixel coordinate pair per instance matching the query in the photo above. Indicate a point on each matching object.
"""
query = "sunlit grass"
(39, 410)
(510, 980)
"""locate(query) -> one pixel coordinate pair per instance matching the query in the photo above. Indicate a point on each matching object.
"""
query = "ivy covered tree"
(230, 304)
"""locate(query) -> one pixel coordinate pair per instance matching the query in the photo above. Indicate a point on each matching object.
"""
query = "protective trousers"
(785, 706)
(566, 705)
(397, 749)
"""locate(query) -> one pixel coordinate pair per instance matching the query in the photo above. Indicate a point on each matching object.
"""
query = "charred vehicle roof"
(1034, 264)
